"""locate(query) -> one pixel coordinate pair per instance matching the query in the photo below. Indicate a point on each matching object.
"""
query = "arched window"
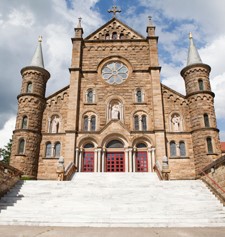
(89, 145)
(200, 85)
(115, 144)
(122, 36)
(24, 122)
(21, 148)
(114, 35)
(93, 123)
(206, 120)
(173, 151)
(29, 87)
(107, 37)
(136, 123)
(57, 149)
(209, 145)
(86, 123)
(90, 96)
(144, 122)
(141, 145)
(48, 149)
(182, 149)
(138, 96)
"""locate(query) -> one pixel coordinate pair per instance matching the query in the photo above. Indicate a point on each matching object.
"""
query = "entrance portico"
(115, 157)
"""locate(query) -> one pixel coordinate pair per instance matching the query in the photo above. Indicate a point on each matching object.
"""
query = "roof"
(193, 55)
(37, 59)
(114, 24)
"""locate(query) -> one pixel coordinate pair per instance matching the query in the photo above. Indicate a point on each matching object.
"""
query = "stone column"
(134, 159)
(96, 161)
(126, 159)
(99, 159)
(89, 123)
(52, 151)
(77, 157)
(80, 159)
(150, 162)
(130, 159)
(49, 125)
(103, 159)
(140, 123)
(153, 157)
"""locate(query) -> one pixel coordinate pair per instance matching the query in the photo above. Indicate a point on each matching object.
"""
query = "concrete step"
(112, 199)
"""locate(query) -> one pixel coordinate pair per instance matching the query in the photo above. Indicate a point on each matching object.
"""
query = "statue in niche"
(55, 125)
(115, 111)
(176, 123)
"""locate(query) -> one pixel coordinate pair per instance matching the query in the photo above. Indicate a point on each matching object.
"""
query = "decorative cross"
(114, 10)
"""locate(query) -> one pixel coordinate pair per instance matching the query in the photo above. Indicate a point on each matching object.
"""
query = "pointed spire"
(37, 59)
(150, 21)
(79, 23)
(193, 55)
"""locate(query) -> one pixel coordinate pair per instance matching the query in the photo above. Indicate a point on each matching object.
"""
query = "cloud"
(6, 131)
(21, 22)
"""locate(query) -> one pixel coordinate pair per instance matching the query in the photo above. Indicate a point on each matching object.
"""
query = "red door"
(141, 161)
(88, 162)
(115, 162)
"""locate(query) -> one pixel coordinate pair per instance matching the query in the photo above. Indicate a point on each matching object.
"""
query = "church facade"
(115, 115)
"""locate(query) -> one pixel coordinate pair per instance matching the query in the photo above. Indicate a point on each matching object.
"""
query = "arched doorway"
(115, 159)
(141, 158)
(88, 158)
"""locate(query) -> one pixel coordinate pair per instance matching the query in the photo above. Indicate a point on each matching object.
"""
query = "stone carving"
(60, 169)
(55, 124)
(115, 112)
(176, 123)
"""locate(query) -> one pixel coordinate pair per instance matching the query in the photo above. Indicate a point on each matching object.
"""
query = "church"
(115, 115)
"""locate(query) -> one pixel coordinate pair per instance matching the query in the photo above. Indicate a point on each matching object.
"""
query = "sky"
(21, 23)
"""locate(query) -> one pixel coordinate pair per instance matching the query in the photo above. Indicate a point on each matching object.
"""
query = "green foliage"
(6, 152)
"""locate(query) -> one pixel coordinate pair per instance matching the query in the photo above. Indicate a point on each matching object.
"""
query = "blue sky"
(21, 22)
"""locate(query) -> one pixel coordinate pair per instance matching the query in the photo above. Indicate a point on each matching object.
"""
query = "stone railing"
(8, 177)
(69, 171)
(214, 176)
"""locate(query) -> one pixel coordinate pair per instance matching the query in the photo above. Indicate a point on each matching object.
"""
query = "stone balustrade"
(214, 176)
(8, 177)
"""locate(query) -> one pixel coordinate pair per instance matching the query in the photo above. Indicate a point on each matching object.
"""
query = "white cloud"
(6, 131)
(21, 22)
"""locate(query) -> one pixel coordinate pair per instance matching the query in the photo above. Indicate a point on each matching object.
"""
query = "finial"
(190, 35)
(114, 9)
(79, 23)
(149, 20)
(40, 39)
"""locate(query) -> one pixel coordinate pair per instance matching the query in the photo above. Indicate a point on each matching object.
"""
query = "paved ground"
(29, 231)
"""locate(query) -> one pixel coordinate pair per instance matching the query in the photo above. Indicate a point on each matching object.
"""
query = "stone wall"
(216, 171)
(8, 177)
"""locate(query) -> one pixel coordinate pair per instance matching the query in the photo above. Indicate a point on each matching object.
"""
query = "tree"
(6, 152)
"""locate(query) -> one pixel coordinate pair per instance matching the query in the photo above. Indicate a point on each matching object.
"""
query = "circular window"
(115, 73)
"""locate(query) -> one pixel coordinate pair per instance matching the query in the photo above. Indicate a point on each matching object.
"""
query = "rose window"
(115, 73)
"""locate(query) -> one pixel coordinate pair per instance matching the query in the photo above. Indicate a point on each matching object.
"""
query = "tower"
(31, 104)
(205, 135)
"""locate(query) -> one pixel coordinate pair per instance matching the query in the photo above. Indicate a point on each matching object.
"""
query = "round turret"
(31, 105)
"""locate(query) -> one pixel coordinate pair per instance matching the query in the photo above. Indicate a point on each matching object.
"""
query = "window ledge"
(212, 154)
(20, 155)
(50, 158)
(90, 103)
(180, 157)
(140, 103)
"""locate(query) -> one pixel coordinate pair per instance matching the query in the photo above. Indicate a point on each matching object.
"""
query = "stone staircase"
(112, 200)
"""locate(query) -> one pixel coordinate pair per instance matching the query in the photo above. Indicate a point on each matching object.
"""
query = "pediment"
(115, 126)
(107, 32)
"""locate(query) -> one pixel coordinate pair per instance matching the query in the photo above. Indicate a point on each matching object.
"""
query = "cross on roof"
(114, 10)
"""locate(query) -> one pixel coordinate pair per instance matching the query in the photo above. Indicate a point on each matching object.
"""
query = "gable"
(114, 29)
